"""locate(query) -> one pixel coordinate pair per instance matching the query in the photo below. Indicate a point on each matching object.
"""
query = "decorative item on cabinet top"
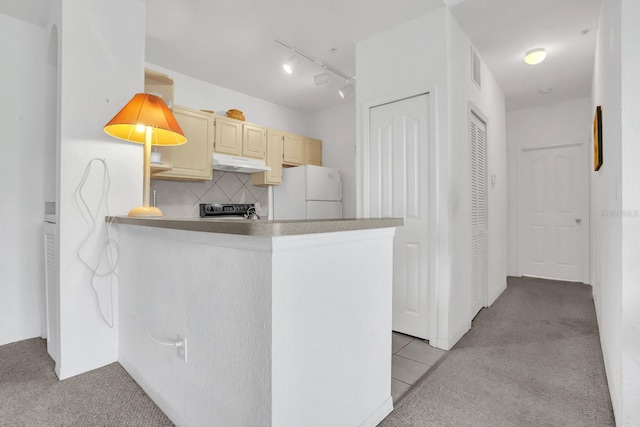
(236, 114)
(159, 84)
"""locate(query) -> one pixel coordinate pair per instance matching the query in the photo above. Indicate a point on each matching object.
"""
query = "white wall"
(222, 307)
(563, 123)
(397, 64)
(336, 127)
(631, 204)
(199, 95)
(21, 179)
(101, 58)
(253, 333)
(431, 54)
(615, 189)
(606, 232)
(488, 103)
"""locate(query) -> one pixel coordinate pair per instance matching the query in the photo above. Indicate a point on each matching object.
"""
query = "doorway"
(553, 214)
(398, 178)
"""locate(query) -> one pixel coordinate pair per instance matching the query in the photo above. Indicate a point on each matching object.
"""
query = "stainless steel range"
(228, 210)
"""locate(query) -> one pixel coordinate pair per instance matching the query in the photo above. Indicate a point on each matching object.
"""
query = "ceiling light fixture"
(535, 56)
(291, 64)
(323, 78)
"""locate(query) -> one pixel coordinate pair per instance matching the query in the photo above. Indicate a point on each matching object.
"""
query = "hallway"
(532, 359)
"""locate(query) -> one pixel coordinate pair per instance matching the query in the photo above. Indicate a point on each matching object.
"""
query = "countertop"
(261, 227)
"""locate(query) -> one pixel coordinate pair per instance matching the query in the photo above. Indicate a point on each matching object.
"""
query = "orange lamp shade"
(145, 110)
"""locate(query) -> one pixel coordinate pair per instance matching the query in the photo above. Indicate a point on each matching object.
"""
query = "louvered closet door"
(479, 261)
(52, 291)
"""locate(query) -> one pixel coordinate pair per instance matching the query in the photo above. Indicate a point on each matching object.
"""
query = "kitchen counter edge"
(260, 227)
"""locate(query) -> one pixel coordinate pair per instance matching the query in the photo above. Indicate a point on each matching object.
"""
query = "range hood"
(226, 162)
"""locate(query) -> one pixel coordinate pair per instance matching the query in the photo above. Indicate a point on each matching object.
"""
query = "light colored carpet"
(32, 395)
(532, 359)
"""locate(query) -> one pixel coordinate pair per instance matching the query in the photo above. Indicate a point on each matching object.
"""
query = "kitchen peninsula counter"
(288, 323)
(261, 227)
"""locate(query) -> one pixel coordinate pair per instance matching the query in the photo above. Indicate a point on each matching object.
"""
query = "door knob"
(578, 220)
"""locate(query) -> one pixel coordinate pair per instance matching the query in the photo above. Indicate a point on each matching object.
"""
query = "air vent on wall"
(476, 75)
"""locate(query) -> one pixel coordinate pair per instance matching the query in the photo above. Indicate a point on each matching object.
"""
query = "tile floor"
(412, 358)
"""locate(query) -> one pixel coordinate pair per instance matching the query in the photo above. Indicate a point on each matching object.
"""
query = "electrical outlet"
(182, 349)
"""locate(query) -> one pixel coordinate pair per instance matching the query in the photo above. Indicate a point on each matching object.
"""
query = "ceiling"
(503, 30)
(232, 43)
(33, 11)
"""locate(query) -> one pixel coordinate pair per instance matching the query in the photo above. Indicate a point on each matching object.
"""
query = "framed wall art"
(597, 139)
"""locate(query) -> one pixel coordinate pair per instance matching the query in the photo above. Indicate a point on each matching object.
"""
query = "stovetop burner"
(225, 209)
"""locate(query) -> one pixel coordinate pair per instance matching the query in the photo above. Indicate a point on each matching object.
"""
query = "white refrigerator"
(308, 192)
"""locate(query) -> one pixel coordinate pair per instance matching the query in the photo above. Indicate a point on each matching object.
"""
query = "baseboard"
(612, 384)
(80, 366)
(448, 343)
(379, 414)
(492, 298)
(25, 334)
(162, 403)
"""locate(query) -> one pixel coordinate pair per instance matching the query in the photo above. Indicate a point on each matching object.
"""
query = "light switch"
(493, 179)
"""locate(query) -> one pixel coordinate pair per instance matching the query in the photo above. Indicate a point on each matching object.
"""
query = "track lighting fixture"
(291, 64)
(346, 90)
(321, 79)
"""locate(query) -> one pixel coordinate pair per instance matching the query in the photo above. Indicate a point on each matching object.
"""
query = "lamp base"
(148, 211)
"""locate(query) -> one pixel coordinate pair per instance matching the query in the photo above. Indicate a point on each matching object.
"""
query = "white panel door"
(399, 187)
(479, 240)
(553, 237)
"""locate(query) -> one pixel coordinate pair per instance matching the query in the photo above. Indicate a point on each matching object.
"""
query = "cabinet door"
(312, 152)
(293, 150)
(254, 141)
(274, 161)
(228, 138)
(191, 160)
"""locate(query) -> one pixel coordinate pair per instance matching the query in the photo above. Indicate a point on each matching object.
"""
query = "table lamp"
(147, 120)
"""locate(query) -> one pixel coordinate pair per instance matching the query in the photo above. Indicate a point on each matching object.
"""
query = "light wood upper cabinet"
(274, 161)
(293, 149)
(254, 141)
(228, 139)
(312, 152)
(191, 160)
(239, 138)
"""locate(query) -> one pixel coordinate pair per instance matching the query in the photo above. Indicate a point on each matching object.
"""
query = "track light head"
(321, 79)
(346, 90)
(291, 63)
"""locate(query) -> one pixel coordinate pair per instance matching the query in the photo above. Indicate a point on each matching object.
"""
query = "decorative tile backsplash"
(181, 199)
